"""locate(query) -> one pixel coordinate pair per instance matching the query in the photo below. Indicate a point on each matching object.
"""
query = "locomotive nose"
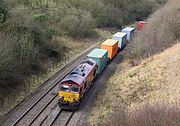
(68, 97)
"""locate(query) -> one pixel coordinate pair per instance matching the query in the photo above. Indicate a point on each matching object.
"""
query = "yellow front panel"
(69, 96)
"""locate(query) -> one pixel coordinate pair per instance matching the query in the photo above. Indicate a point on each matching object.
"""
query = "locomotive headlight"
(61, 97)
(75, 99)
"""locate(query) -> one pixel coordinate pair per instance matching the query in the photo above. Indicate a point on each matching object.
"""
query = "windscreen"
(64, 88)
(67, 88)
(74, 89)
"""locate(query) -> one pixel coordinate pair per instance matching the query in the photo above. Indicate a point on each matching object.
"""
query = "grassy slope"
(74, 50)
(155, 79)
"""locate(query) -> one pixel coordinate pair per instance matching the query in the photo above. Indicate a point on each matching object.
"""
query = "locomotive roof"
(142, 22)
(97, 53)
(128, 29)
(80, 72)
(120, 34)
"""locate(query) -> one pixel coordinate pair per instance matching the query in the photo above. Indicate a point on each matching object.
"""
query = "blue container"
(101, 57)
(130, 32)
(122, 39)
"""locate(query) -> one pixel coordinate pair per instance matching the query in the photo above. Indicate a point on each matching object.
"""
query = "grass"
(161, 32)
(146, 94)
(35, 81)
(146, 87)
(156, 114)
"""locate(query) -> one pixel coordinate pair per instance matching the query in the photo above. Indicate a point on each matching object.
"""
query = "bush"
(157, 114)
(117, 117)
(3, 14)
(24, 43)
(78, 23)
(9, 64)
(139, 10)
(40, 17)
(161, 32)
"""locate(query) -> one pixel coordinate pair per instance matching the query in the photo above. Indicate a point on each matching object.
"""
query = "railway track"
(43, 103)
(38, 113)
(58, 117)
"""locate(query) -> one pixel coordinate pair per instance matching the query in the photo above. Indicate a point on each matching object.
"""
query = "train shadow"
(100, 83)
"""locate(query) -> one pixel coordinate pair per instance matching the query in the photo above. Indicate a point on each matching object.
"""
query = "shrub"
(3, 14)
(117, 117)
(161, 32)
(78, 23)
(24, 43)
(40, 17)
(156, 114)
(10, 73)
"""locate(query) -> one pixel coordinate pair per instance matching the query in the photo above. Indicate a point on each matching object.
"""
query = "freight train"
(76, 83)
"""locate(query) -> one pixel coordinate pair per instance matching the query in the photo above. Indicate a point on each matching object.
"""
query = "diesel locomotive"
(73, 87)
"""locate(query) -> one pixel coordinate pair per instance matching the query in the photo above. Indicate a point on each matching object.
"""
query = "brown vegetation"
(155, 114)
(32, 28)
(146, 94)
(155, 80)
(161, 32)
(32, 36)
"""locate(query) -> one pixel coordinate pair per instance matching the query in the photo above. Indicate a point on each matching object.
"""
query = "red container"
(141, 25)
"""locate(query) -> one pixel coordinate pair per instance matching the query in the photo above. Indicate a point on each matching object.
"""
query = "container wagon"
(130, 32)
(111, 46)
(101, 58)
(141, 25)
(122, 39)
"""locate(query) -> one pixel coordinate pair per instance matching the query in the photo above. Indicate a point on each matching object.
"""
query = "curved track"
(40, 110)
(40, 105)
(44, 103)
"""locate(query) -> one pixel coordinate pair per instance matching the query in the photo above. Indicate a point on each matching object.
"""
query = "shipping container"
(101, 57)
(122, 39)
(140, 25)
(130, 32)
(111, 46)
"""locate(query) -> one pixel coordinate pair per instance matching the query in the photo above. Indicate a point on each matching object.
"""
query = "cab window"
(64, 88)
(74, 89)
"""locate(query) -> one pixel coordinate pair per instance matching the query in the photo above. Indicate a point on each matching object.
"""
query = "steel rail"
(42, 110)
(34, 104)
(55, 118)
(70, 118)
(40, 98)
(80, 57)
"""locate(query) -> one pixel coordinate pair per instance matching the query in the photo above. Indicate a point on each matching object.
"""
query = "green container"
(101, 57)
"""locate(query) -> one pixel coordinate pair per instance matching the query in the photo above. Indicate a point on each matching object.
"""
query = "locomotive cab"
(69, 94)
(76, 83)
